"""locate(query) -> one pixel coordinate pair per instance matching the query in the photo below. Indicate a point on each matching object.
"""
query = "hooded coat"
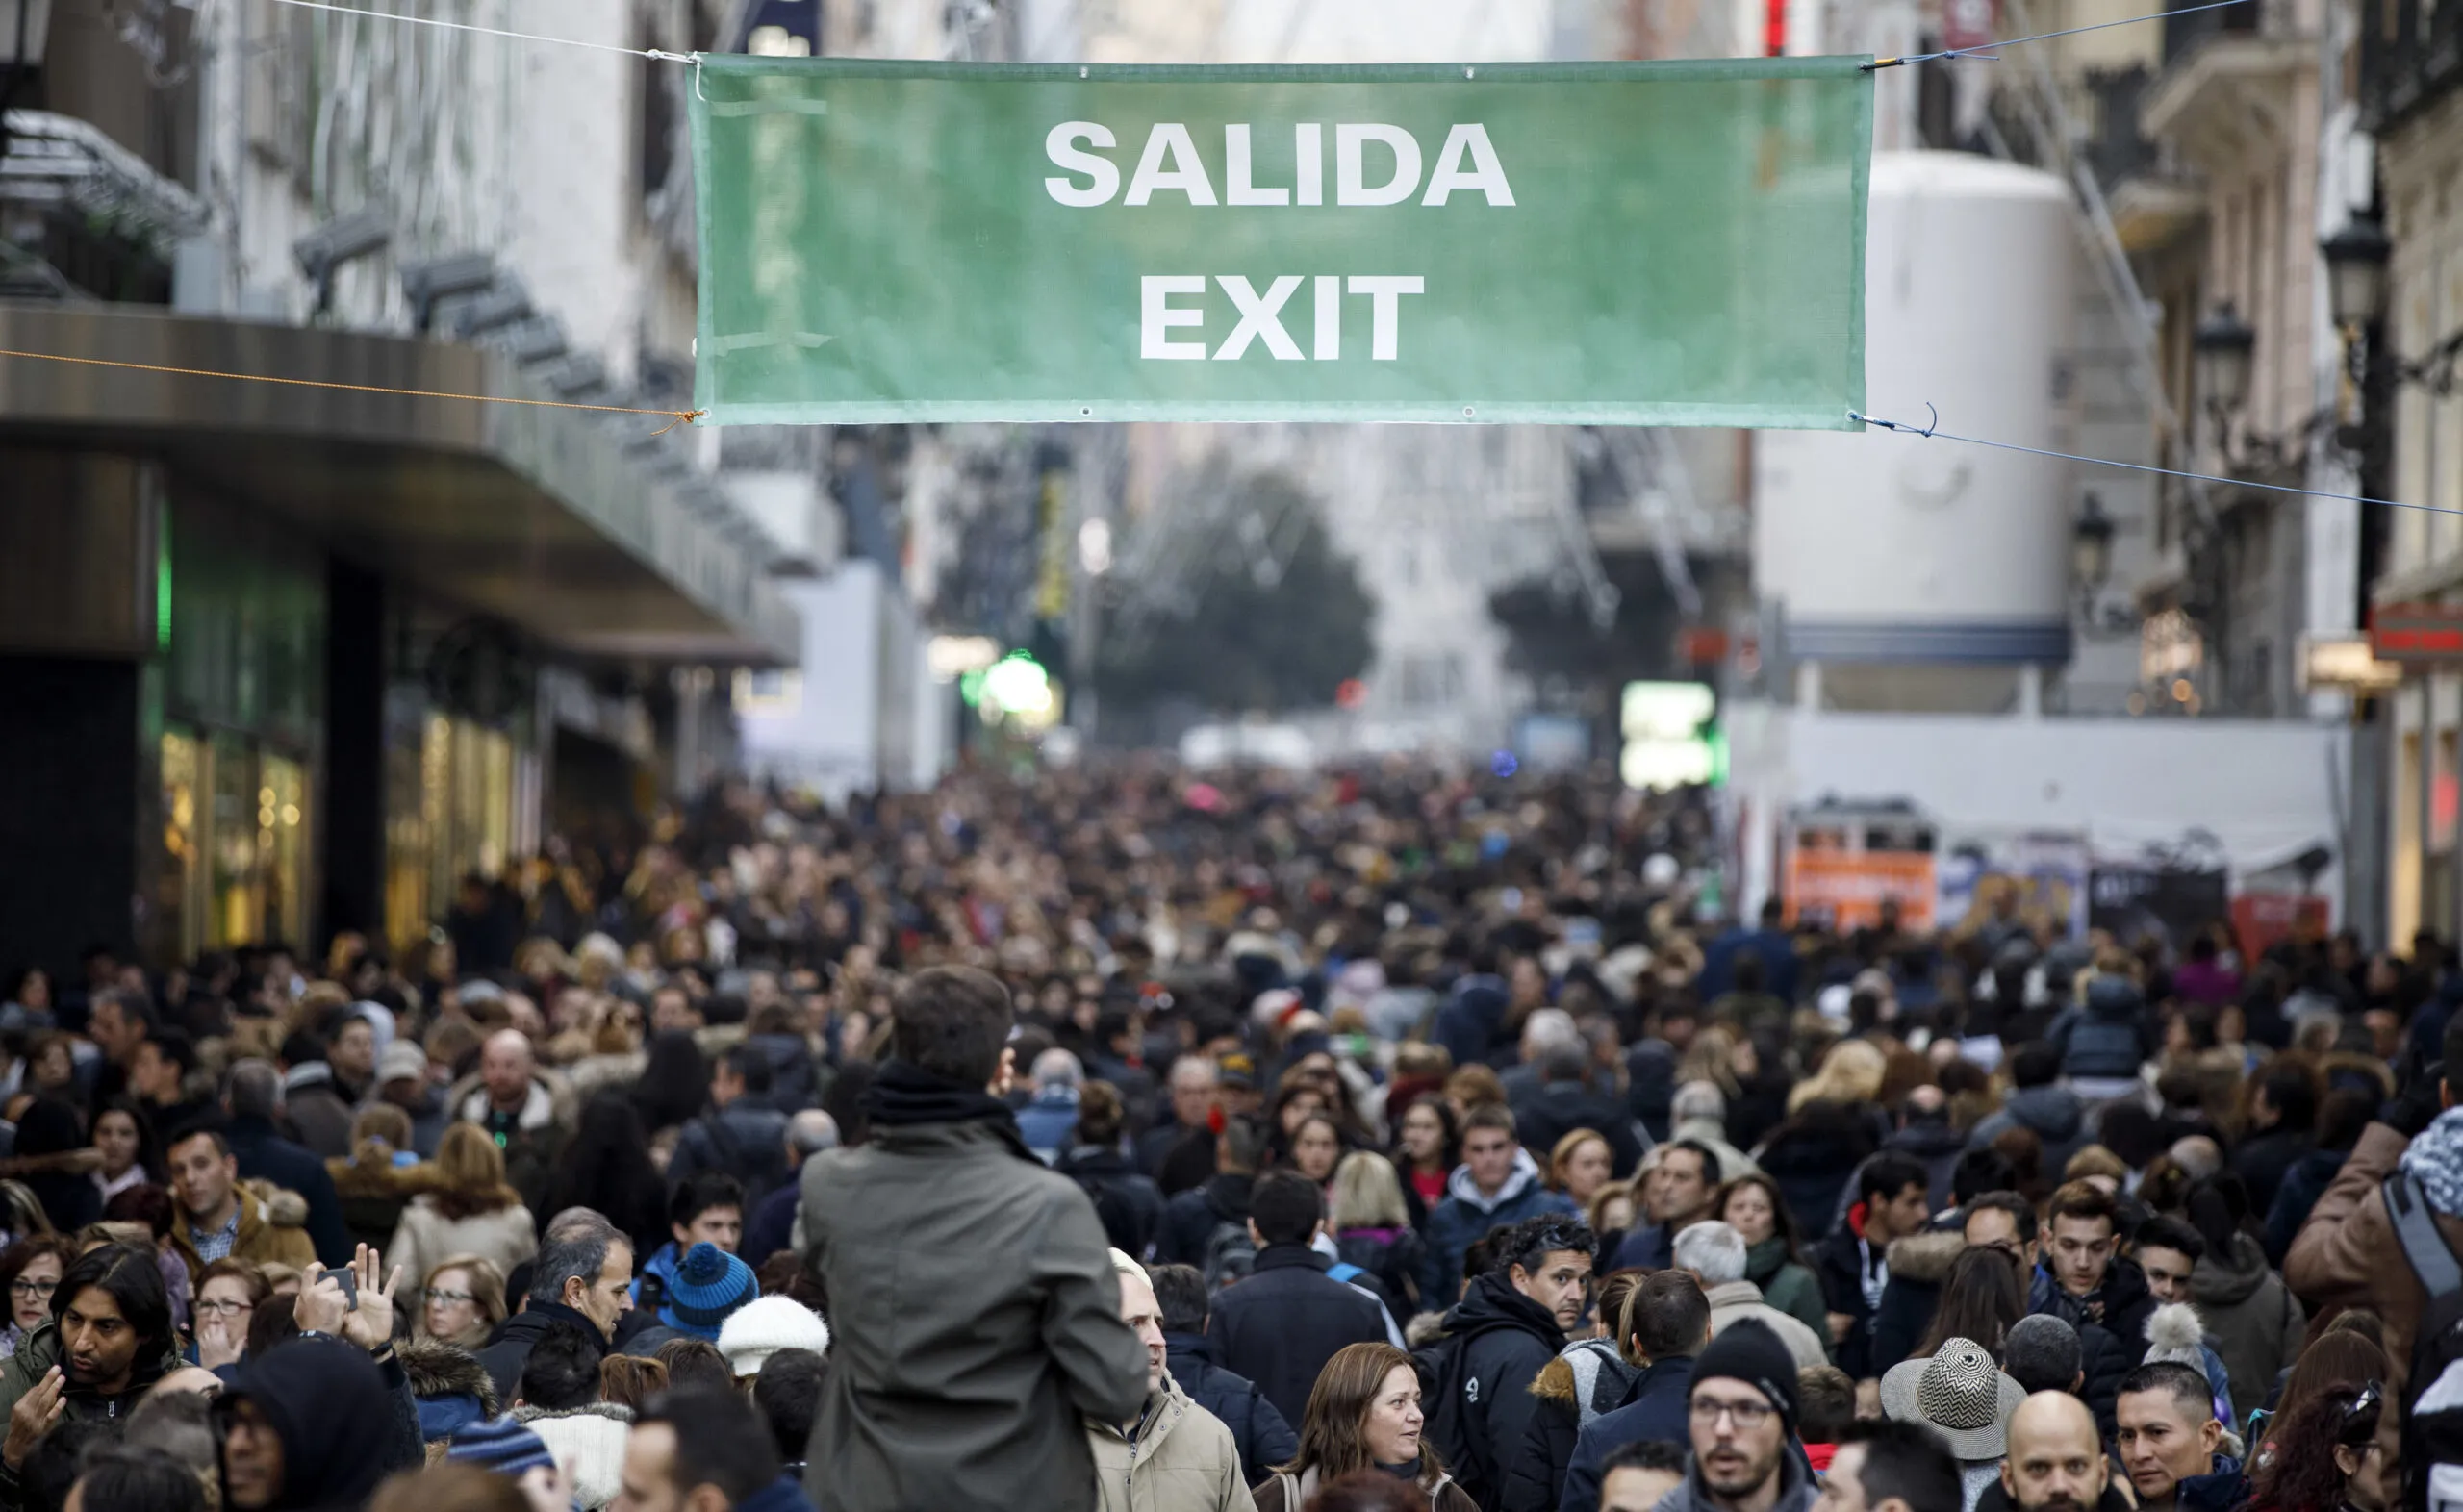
(2253, 1317)
(1457, 1224)
(271, 1231)
(1177, 1459)
(1502, 1340)
(2109, 1035)
(330, 1407)
(1583, 1383)
(449, 1384)
(1919, 1264)
(589, 1441)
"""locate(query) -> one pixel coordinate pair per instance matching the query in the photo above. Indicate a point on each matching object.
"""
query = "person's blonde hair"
(470, 1173)
(1850, 1074)
(2095, 1160)
(487, 1288)
(1563, 1153)
(1367, 1195)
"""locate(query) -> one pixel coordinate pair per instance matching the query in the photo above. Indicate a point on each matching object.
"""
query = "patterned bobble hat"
(709, 1284)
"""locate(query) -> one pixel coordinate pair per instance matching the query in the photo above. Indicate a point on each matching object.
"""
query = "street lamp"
(2223, 347)
(2356, 258)
(2090, 548)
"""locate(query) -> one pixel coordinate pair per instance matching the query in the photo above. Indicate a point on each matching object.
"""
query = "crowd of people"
(1127, 1138)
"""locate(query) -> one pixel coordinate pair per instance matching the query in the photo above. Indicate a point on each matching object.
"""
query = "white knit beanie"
(767, 1324)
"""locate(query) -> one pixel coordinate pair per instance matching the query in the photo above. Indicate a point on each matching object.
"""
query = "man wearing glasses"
(1740, 1415)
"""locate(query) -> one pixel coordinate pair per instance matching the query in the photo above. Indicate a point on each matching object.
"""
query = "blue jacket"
(1646, 1247)
(263, 1153)
(771, 1226)
(2109, 1035)
(781, 1494)
(1779, 965)
(1263, 1438)
(1048, 1122)
(661, 1266)
(1656, 1407)
(1457, 1224)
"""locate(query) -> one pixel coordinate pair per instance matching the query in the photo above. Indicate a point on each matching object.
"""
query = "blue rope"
(2040, 36)
(1933, 428)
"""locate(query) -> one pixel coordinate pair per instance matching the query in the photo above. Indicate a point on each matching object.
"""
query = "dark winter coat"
(793, 1086)
(1190, 1218)
(1391, 1258)
(508, 1349)
(975, 1320)
(264, 1155)
(1466, 1216)
(1583, 1384)
(1558, 1109)
(333, 1411)
(1264, 1437)
(1918, 1264)
(1129, 1203)
(2302, 1186)
(1281, 1326)
(1838, 1264)
(1502, 1340)
(2264, 1160)
(2055, 1115)
(1813, 1155)
(1470, 1024)
(453, 1390)
(2109, 1035)
(2123, 1305)
(1932, 1142)
(1654, 1408)
(2255, 1323)
(1645, 1247)
(43, 1485)
(742, 1139)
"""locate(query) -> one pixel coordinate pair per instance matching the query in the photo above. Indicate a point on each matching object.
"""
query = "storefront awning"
(564, 523)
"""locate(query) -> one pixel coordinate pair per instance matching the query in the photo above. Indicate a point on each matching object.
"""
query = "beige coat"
(1734, 1301)
(1184, 1460)
(426, 1236)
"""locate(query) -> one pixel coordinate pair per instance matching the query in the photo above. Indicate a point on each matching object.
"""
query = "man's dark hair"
(747, 1064)
(2021, 1212)
(788, 1393)
(2165, 1232)
(952, 1022)
(1887, 1176)
(2452, 1048)
(1496, 1116)
(2035, 1064)
(2083, 1199)
(1712, 1173)
(1563, 1063)
(1179, 1296)
(174, 1045)
(1978, 1172)
(701, 1192)
(134, 1280)
(2189, 1387)
(718, 1439)
(574, 1248)
(2042, 1353)
(205, 1127)
(1656, 1454)
(1240, 1145)
(1904, 1461)
(252, 1088)
(1825, 1403)
(1286, 1207)
(133, 1006)
(1528, 1243)
(562, 1371)
(121, 1476)
(2292, 1093)
(1667, 1314)
(274, 1324)
(696, 1362)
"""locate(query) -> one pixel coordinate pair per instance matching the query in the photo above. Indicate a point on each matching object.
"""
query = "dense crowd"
(1127, 1137)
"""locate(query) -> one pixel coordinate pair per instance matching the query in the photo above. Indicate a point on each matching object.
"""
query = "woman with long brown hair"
(1363, 1414)
(470, 1211)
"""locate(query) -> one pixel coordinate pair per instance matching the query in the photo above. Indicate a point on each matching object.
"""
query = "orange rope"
(676, 416)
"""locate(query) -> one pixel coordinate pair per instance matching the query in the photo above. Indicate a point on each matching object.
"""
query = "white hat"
(767, 1324)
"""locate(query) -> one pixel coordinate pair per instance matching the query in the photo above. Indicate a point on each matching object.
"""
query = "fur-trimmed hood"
(1590, 1376)
(438, 1369)
(1927, 1258)
(282, 1208)
(1423, 1330)
(369, 1178)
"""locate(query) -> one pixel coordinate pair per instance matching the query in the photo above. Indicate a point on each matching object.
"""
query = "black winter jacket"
(1505, 1340)
(1129, 1203)
(1281, 1326)
(1581, 1385)
(1264, 1439)
(1190, 1218)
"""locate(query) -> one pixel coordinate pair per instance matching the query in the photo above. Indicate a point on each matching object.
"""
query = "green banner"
(1668, 244)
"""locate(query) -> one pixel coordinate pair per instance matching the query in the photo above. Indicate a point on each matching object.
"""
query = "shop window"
(282, 842)
(179, 884)
(237, 905)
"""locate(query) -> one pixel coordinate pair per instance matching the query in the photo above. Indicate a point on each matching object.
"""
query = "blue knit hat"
(502, 1445)
(709, 1284)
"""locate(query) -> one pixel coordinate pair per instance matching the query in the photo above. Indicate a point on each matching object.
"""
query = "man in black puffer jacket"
(1510, 1323)
(1265, 1441)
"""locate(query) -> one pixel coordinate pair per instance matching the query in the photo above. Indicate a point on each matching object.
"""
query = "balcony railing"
(2411, 53)
(2184, 31)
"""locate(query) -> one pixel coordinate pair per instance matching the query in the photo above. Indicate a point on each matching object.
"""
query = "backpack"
(1230, 1255)
(1455, 1401)
(2433, 1407)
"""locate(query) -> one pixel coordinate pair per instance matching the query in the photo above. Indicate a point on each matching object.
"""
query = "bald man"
(2056, 1461)
(517, 1107)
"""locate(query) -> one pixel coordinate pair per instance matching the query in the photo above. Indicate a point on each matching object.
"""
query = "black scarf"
(904, 1093)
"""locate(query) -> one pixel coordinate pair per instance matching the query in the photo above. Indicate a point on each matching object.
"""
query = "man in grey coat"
(973, 1309)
